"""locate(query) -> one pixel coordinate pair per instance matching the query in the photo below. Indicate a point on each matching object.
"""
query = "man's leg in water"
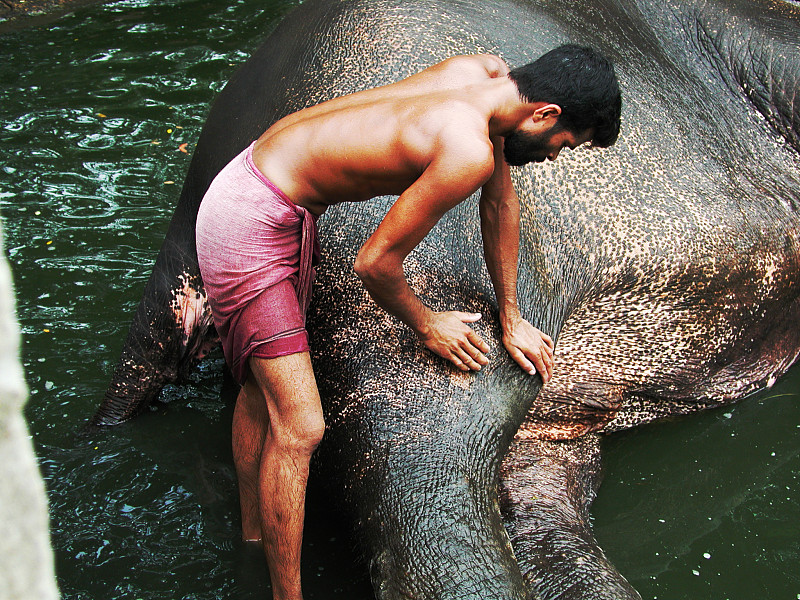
(250, 423)
(280, 394)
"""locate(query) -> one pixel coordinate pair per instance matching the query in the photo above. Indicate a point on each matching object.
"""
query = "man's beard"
(521, 148)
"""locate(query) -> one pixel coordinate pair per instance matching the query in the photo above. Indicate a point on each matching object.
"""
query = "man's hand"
(531, 348)
(448, 335)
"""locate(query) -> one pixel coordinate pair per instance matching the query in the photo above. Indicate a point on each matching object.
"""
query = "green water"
(94, 107)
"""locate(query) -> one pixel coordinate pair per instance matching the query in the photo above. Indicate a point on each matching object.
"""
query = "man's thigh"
(289, 388)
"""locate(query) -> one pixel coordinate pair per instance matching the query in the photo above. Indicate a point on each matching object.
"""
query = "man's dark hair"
(582, 82)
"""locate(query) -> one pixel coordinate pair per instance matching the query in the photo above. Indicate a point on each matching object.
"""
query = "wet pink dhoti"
(256, 251)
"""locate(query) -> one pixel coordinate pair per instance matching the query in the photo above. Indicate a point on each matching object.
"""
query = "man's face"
(522, 147)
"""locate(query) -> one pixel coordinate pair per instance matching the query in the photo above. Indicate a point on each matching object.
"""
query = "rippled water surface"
(96, 108)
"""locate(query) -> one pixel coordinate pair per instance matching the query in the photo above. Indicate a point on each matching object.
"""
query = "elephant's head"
(666, 266)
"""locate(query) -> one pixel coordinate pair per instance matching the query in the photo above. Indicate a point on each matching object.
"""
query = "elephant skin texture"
(666, 267)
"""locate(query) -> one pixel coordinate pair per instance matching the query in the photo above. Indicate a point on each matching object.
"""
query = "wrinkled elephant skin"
(666, 266)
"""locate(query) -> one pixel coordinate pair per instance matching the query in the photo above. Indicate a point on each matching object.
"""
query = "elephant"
(666, 269)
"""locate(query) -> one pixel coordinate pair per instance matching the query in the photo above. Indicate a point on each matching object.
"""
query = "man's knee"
(301, 436)
(312, 431)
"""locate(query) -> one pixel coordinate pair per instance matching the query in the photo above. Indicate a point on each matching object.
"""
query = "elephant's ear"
(557, 415)
(759, 58)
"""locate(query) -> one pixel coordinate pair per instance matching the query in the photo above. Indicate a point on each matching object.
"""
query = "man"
(433, 139)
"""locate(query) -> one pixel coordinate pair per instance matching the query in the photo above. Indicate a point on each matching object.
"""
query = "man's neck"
(506, 109)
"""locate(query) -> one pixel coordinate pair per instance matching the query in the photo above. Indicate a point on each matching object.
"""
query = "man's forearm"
(389, 289)
(528, 346)
(500, 230)
(444, 333)
(499, 209)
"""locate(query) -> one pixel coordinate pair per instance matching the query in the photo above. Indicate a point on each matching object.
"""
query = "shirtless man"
(433, 139)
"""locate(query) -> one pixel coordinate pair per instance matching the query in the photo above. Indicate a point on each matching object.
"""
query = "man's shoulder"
(486, 65)
(468, 146)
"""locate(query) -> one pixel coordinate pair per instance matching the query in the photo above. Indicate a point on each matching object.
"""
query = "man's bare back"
(380, 141)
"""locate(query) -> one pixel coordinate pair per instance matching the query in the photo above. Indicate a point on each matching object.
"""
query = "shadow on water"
(94, 109)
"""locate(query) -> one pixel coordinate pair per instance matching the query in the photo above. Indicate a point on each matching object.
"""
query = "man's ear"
(546, 111)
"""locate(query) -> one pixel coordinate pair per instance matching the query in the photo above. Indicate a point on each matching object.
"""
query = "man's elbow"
(377, 269)
(367, 267)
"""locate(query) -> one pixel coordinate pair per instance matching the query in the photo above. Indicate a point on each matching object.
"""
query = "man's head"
(576, 86)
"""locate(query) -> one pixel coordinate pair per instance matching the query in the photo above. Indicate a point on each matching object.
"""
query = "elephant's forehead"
(379, 42)
(664, 189)
(683, 128)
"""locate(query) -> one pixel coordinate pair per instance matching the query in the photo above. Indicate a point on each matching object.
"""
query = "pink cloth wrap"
(256, 250)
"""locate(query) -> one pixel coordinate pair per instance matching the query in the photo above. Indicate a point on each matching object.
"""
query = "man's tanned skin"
(433, 139)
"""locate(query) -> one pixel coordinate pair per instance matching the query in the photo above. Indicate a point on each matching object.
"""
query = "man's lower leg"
(295, 429)
(250, 423)
(284, 476)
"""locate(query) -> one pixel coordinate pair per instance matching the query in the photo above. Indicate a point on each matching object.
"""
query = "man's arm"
(379, 264)
(499, 209)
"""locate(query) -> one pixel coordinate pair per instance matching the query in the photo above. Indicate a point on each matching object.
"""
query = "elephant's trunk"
(546, 493)
(417, 449)
(171, 331)
(129, 393)
(436, 530)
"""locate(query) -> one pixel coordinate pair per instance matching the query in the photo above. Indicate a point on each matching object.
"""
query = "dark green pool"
(94, 109)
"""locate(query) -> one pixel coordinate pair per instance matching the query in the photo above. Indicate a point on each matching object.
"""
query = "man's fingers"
(548, 340)
(471, 356)
(475, 354)
(454, 340)
(547, 354)
(459, 363)
(542, 366)
(534, 360)
(522, 361)
(467, 360)
(464, 361)
(477, 341)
